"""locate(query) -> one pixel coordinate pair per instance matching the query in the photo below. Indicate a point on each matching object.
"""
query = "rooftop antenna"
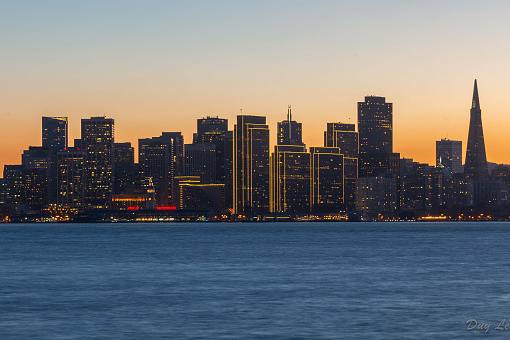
(289, 113)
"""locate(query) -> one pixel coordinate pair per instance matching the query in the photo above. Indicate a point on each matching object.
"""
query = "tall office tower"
(375, 126)
(449, 155)
(36, 166)
(211, 130)
(251, 165)
(124, 174)
(214, 130)
(176, 144)
(54, 133)
(345, 137)
(200, 160)
(97, 137)
(13, 176)
(70, 178)
(161, 158)
(415, 187)
(290, 179)
(289, 131)
(476, 159)
(229, 170)
(327, 179)
(154, 158)
(54, 139)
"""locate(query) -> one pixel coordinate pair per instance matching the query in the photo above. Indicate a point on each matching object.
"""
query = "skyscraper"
(154, 157)
(97, 137)
(327, 179)
(214, 131)
(36, 167)
(251, 165)
(54, 139)
(70, 177)
(375, 126)
(200, 160)
(54, 133)
(290, 179)
(476, 159)
(449, 155)
(289, 131)
(345, 137)
(124, 175)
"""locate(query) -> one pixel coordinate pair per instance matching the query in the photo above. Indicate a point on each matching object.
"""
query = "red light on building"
(166, 208)
(133, 208)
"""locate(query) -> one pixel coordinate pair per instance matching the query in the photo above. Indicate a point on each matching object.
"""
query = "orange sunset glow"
(153, 69)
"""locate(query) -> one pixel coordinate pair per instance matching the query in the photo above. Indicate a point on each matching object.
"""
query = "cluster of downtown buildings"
(234, 175)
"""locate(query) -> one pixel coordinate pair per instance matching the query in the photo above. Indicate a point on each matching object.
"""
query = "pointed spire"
(476, 99)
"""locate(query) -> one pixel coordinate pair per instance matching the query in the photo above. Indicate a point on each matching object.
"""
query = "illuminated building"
(54, 133)
(200, 160)
(415, 187)
(290, 179)
(70, 178)
(375, 126)
(345, 137)
(214, 130)
(326, 179)
(36, 170)
(124, 174)
(289, 132)
(161, 158)
(13, 178)
(154, 157)
(54, 139)
(376, 197)
(197, 196)
(251, 165)
(97, 137)
(449, 155)
(476, 159)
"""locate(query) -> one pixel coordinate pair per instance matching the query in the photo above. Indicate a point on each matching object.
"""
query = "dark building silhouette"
(251, 165)
(161, 158)
(326, 179)
(124, 171)
(449, 155)
(194, 195)
(375, 126)
(54, 133)
(70, 177)
(200, 160)
(214, 130)
(13, 178)
(377, 197)
(54, 139)
(345, 137)
(35, 164)
(476, 159)
(154, 157)
(97, 137)
(289, 132)
(290, 179)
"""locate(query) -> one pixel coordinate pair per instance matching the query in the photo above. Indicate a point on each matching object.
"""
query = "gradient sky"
(160, 65)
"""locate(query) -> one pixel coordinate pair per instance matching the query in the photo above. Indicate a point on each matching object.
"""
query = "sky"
(159, 65)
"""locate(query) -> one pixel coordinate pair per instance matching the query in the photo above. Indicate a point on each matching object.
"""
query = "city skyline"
(317, 139)
(154, 66)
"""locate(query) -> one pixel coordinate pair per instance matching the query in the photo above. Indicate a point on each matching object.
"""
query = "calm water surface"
(242, 281)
